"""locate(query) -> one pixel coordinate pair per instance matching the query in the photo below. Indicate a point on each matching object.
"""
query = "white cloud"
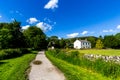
(72, 35)
(25, 27)
(51, 4)
(32, 20)
(0, 16)
(118, 27)
(105, 31)
(44, 26)
(84, 32)
(110, 30)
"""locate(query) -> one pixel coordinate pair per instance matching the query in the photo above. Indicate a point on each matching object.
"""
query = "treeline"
(106, 42)
(12, 36)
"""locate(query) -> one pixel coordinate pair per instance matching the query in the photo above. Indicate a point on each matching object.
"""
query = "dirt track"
(44, 71)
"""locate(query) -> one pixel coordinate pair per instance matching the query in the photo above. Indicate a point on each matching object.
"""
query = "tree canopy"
(35, 38)
(11, 35)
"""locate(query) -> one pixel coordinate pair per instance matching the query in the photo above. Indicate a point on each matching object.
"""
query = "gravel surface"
(45, 70)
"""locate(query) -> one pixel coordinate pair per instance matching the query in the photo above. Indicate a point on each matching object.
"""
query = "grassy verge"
(108, 69)
(14, 69)
(74, 72)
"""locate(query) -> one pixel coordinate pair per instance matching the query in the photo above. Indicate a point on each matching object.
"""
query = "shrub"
(11, 53)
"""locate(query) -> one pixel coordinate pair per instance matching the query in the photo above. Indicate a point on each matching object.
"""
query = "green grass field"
(101, 52)
(76, 67)
(14, 69)
(74, 72)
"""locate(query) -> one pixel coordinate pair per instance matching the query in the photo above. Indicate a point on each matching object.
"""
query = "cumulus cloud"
(32, 20)
(52, 4)
(25, 27)
(84, 32)
(118, 27)
(44, 26)
(72, 35)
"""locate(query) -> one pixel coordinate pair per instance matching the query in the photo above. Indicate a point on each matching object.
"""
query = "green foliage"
(11, 53)
(15, 69)
(117, 35)
(108, 69)
(92, 40)
(74, 72)
(53, 41)
(35, 38)
(99, 44)
(62, 43)
(11, 35)
(111, 42)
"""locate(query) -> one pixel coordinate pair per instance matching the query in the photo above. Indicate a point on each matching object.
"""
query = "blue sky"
(65, 18)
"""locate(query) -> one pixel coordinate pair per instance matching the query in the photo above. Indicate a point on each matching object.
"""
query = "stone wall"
(106, 58)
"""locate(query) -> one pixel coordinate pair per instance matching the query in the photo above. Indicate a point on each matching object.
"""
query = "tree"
(62, 43)
(54, 41)
(11, 35)
(92, 40)
(35, 38)
(111, 41)
(117, 36)
(5, 38)
(99, 44)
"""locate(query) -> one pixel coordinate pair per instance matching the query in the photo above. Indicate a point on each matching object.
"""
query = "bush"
(11, 53)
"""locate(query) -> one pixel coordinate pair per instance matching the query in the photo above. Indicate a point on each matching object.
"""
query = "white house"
(79, 44)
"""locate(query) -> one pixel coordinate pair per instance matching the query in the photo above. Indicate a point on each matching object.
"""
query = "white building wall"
(77, 44)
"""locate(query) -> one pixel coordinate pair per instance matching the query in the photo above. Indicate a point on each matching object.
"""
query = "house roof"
(83, 41)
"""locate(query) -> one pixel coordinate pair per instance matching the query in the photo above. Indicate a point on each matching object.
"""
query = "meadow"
(112, 52)
(76, 67)
(15, 68)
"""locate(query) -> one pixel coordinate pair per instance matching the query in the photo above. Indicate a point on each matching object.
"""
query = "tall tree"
(35, 38)
(11, 35)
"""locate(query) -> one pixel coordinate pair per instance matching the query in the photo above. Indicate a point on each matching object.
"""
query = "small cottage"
(82, 44)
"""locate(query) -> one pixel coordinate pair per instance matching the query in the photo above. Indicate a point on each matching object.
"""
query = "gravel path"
(44, 71)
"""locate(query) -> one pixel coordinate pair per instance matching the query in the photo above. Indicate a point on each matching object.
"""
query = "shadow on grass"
(2, 63)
